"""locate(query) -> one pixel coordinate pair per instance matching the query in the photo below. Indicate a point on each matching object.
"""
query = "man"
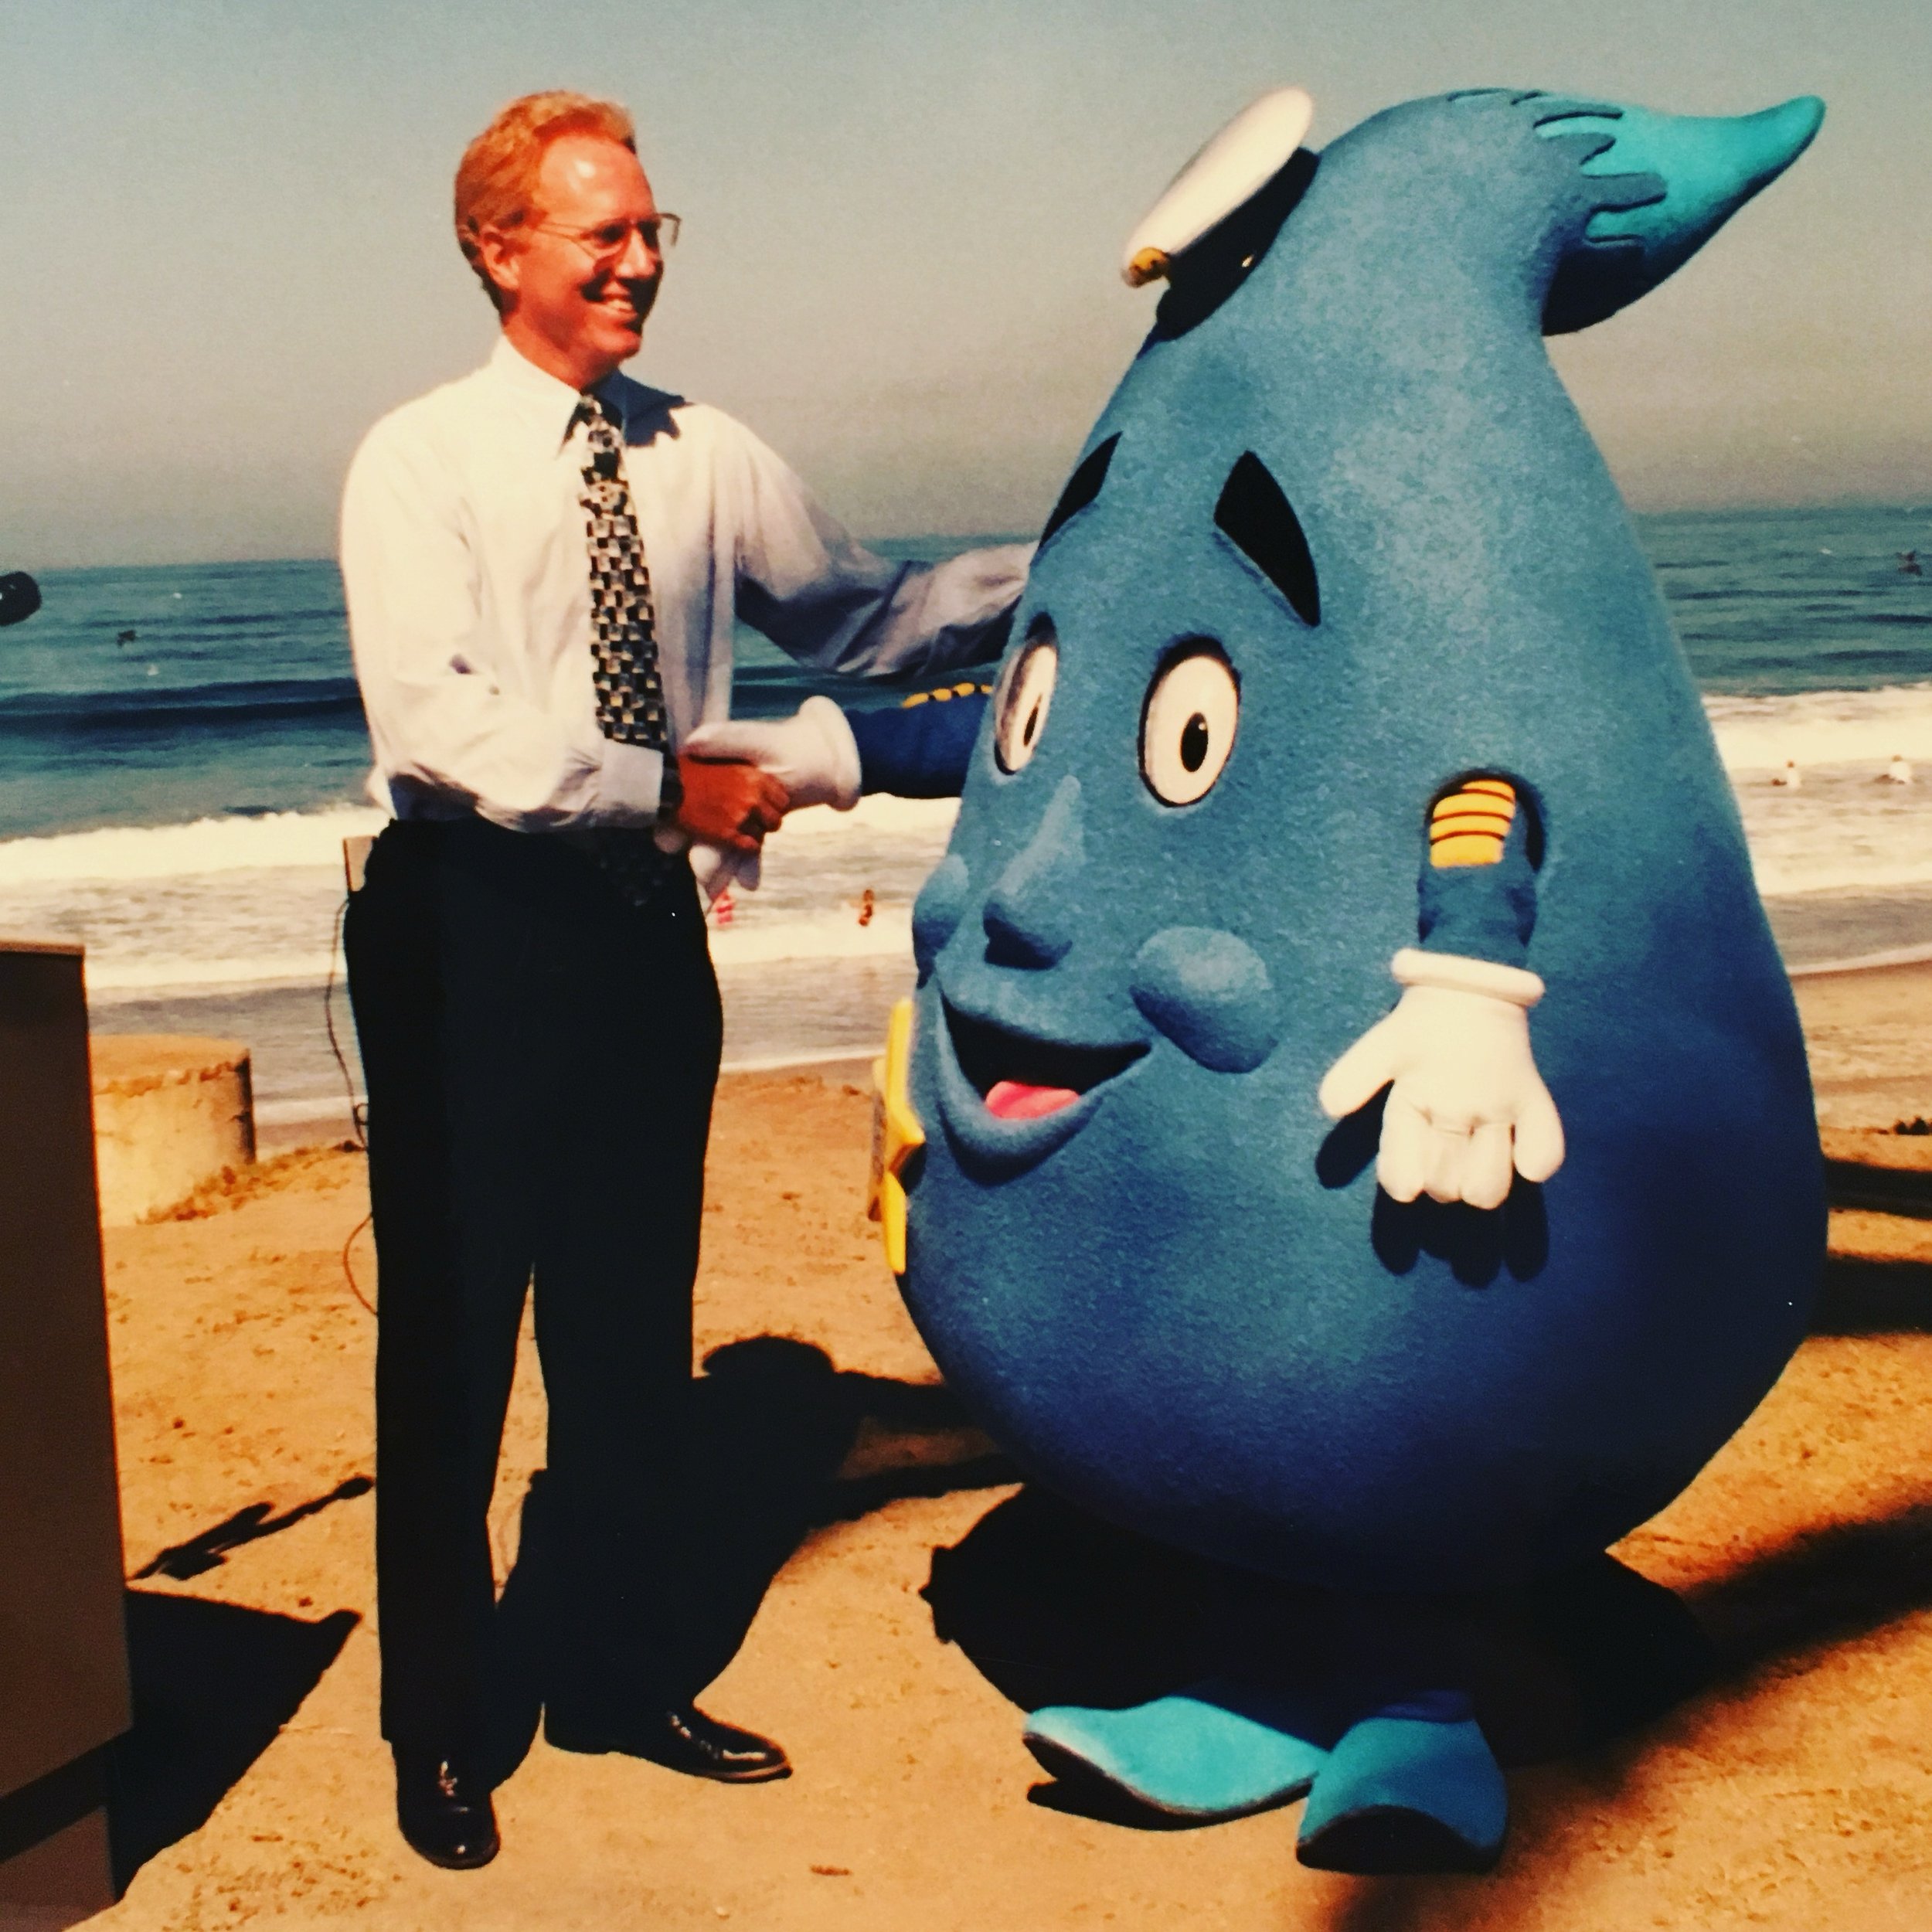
(542, 563)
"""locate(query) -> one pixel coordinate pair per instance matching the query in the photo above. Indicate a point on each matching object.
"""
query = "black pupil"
(1030, 726)
(1194, 743)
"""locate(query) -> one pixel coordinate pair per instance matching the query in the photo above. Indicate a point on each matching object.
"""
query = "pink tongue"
(1015, 1100)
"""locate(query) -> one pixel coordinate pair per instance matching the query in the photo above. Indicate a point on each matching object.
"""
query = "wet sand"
(1795, 1792)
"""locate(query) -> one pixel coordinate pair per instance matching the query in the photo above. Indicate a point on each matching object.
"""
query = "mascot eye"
(1026, 690)
(1187, 730)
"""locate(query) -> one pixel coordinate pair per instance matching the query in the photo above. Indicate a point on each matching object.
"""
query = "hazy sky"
(225, 242)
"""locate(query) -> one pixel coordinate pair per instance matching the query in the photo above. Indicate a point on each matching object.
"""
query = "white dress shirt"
(466, 571)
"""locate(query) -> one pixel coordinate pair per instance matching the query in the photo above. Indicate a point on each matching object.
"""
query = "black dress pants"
(540, 1057)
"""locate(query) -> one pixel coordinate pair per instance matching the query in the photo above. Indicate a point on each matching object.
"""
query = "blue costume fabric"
(921, 751)
(1342, 471)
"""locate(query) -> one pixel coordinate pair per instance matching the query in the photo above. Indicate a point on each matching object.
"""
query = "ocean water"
(182, 752)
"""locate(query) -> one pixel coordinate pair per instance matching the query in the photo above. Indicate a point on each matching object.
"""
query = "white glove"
(716, 868)
(721, 869)
(812, 754)
(1464, 1082)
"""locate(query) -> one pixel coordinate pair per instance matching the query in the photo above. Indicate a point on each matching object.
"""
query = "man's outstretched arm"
(832, 604)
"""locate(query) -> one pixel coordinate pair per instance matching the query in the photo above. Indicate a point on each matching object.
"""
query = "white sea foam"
(229, 904)
(273, 841)
(276, 841)
(234, 903)
(1824, 728)
(114, 976)
(878, 816)
(824, 935)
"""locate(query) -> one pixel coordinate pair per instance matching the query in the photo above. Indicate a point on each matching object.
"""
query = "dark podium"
(63, 1666)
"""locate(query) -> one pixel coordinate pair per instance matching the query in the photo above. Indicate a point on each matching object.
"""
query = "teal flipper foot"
(1215, 1750)
(1414, 1788)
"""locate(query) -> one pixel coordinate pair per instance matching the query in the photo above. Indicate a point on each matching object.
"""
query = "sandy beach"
(1795, 1791)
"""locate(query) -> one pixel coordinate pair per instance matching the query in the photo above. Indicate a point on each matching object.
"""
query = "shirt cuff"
(627, 791)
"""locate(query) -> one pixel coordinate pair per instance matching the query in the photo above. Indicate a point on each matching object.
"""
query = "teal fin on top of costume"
(1708, 166)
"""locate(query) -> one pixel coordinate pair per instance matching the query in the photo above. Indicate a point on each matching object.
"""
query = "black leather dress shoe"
(680, 1737)
(445, 1810)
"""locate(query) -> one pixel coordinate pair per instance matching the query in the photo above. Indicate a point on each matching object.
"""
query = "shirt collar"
(548, 398)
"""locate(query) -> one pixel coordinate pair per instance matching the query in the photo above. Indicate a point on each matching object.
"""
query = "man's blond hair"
(496, 179)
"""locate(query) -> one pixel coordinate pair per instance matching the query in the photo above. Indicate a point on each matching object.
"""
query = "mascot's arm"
(1466, 1104)
(828, 757)
(922, 749)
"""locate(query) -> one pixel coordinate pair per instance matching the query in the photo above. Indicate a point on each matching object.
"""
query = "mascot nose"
(1027, 917)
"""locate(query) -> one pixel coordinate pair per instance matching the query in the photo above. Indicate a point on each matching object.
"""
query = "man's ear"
(502, 258)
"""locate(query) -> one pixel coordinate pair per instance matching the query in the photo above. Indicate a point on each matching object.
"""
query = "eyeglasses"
(606, 243)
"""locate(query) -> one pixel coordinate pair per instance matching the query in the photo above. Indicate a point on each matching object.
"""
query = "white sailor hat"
(1247, 154)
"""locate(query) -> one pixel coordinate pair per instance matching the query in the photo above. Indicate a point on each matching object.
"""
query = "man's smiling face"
(577, 309)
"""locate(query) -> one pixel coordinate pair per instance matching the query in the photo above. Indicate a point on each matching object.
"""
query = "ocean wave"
(1798, 878)
(821, 935)
(171, 709)
(1864, 962)
(115, 977)
(879, 814)
(1823, 728)
(231, 902)
(274, 841)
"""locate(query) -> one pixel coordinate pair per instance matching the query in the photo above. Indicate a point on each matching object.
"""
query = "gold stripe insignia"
(1468, 826)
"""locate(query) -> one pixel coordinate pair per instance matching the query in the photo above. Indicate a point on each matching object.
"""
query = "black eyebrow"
(1255, 514)
(1082, 486)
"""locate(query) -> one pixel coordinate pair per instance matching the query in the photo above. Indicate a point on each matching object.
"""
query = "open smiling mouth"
(1019, 1078)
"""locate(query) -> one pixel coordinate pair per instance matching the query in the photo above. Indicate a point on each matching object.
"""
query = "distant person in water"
(19, 597)
(543, 563)
(1898, 772)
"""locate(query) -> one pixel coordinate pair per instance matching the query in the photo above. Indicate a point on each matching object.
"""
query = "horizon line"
(988, 537)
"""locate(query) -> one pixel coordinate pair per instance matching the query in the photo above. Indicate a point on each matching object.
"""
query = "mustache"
(640, 288)
(640, 296)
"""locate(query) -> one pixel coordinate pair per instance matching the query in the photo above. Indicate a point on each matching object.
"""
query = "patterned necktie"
(624, 644)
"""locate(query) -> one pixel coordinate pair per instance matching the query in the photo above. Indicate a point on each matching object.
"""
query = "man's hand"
(812, 753)
(1466, 1103)
(729, 805)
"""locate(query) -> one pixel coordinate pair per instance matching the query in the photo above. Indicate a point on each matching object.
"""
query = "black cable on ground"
(348, 1273)
(357, 1110)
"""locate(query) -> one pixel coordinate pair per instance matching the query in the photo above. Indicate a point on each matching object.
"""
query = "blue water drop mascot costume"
(1340, 665)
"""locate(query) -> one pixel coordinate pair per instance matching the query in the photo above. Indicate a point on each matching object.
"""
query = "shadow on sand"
(213, 1684)
(781, 1443)
(1863, 1297)
(210, 1550)
(1779, 1608)
(785, 1444)
(1052, 1606)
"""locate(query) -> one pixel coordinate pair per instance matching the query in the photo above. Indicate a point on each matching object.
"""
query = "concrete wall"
(171, 1111)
